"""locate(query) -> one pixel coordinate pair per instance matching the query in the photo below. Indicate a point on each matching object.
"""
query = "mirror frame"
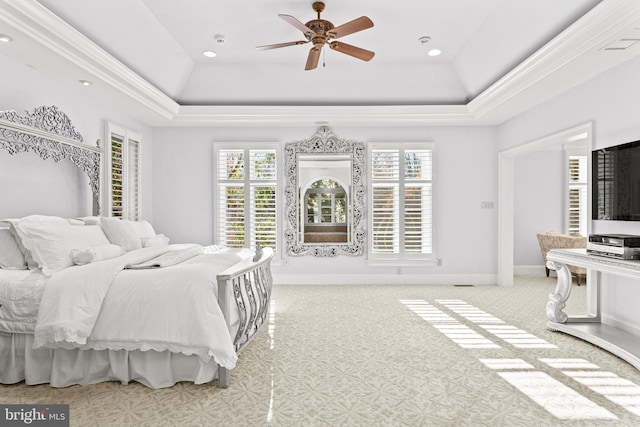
(325, 142)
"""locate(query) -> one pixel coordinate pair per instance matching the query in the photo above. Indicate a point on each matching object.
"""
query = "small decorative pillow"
(155, 241)
(121, 232)
(11, 257)
(96, 253)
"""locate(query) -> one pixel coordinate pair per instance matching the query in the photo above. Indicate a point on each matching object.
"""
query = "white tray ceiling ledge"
(573, 57)
(365, 115)
(47, 43)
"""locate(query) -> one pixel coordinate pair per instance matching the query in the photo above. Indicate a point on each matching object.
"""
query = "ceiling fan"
(320, 32)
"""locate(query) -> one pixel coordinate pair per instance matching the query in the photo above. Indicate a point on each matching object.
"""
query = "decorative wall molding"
(49, 133)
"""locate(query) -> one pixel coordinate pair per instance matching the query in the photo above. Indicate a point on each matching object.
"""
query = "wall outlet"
(439, 262)
(398, 270)
(486, 205)
(285, 261)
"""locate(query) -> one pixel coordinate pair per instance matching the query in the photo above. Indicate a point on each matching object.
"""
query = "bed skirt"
(62, 368)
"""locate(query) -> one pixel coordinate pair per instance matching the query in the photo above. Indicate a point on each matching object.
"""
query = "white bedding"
(103, 306)
(20, 294)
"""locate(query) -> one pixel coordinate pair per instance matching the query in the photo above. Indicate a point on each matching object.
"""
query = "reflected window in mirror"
(325, 204)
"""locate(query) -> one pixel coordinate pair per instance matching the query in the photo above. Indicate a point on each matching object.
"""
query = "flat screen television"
(616, 182)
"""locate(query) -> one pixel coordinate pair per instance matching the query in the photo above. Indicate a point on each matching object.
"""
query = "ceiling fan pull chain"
(324, 57)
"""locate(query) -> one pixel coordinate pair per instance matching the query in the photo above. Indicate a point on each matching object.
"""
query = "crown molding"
(44, 27)
(605, 22)
(364, 115)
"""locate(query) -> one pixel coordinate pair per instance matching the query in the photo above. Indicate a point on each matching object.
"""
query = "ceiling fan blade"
(277, 45)
(351, 27)
(314, 57)
(354, 51)
(299, 25)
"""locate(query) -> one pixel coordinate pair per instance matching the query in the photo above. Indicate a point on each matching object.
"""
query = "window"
(577, 195)
(247, 197)
(401, 201)
(123, 169)
(325, 203)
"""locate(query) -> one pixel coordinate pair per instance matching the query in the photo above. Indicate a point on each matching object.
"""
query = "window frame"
(400, 257)
(246, 183)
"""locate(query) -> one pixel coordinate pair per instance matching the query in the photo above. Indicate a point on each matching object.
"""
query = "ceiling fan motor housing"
(320, 27)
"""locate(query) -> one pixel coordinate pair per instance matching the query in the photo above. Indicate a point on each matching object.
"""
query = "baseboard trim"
(384, 279)
(528, 270)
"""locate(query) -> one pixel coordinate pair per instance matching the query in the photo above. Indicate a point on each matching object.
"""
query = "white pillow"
(144, 229)
(96, 253)
(89, 220)
(50, 243)
(155, 241)
(11, 257)
(32, 220)
(121, 232)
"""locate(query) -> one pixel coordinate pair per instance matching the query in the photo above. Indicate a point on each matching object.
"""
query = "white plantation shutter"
(401, 203)
(124, 177)
(117, 175)
(247, 197)
(133, 180)
(263, 179)
(577, 193)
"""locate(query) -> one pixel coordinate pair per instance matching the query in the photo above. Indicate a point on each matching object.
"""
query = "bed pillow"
(96, 253)
(121, 232)
(11, 257)
(143, 229)
(32, 220)
(158, 240)
(50, 243)
(89, 220)
(130, 234)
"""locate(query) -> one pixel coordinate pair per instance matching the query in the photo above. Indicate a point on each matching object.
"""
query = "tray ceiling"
(155, 46)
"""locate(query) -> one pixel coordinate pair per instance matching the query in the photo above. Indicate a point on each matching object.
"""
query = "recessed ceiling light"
(434, 52)
(5, 38)
(85, 82)
(209, 54)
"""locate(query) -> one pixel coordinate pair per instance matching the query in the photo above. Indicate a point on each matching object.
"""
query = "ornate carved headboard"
(48, 132)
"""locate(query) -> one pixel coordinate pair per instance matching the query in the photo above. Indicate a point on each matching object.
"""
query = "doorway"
(506, 193)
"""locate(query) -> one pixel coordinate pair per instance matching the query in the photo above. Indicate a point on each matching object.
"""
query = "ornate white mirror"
(324, 196)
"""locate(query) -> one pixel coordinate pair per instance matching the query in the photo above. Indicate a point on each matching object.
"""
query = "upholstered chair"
(553, 240)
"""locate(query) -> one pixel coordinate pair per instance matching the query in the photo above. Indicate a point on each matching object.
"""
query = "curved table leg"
(559, 297)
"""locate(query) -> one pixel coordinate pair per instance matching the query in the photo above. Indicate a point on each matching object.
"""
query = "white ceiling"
(145, 56)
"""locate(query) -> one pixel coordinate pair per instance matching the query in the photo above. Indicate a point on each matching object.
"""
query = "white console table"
(589, 327)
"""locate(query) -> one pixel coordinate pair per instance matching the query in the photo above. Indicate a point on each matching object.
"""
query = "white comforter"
(20, 295)
(103, 306)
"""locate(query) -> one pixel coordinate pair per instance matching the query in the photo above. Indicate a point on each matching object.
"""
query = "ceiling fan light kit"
(320, 32)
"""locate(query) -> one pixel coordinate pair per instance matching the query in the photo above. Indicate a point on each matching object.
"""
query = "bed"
(89, 299)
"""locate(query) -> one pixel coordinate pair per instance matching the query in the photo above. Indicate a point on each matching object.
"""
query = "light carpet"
(388, 356)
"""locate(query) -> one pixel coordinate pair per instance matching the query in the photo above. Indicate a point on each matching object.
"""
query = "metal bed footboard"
(250, 283)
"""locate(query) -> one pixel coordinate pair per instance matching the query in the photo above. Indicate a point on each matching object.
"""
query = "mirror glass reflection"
(325, 181)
